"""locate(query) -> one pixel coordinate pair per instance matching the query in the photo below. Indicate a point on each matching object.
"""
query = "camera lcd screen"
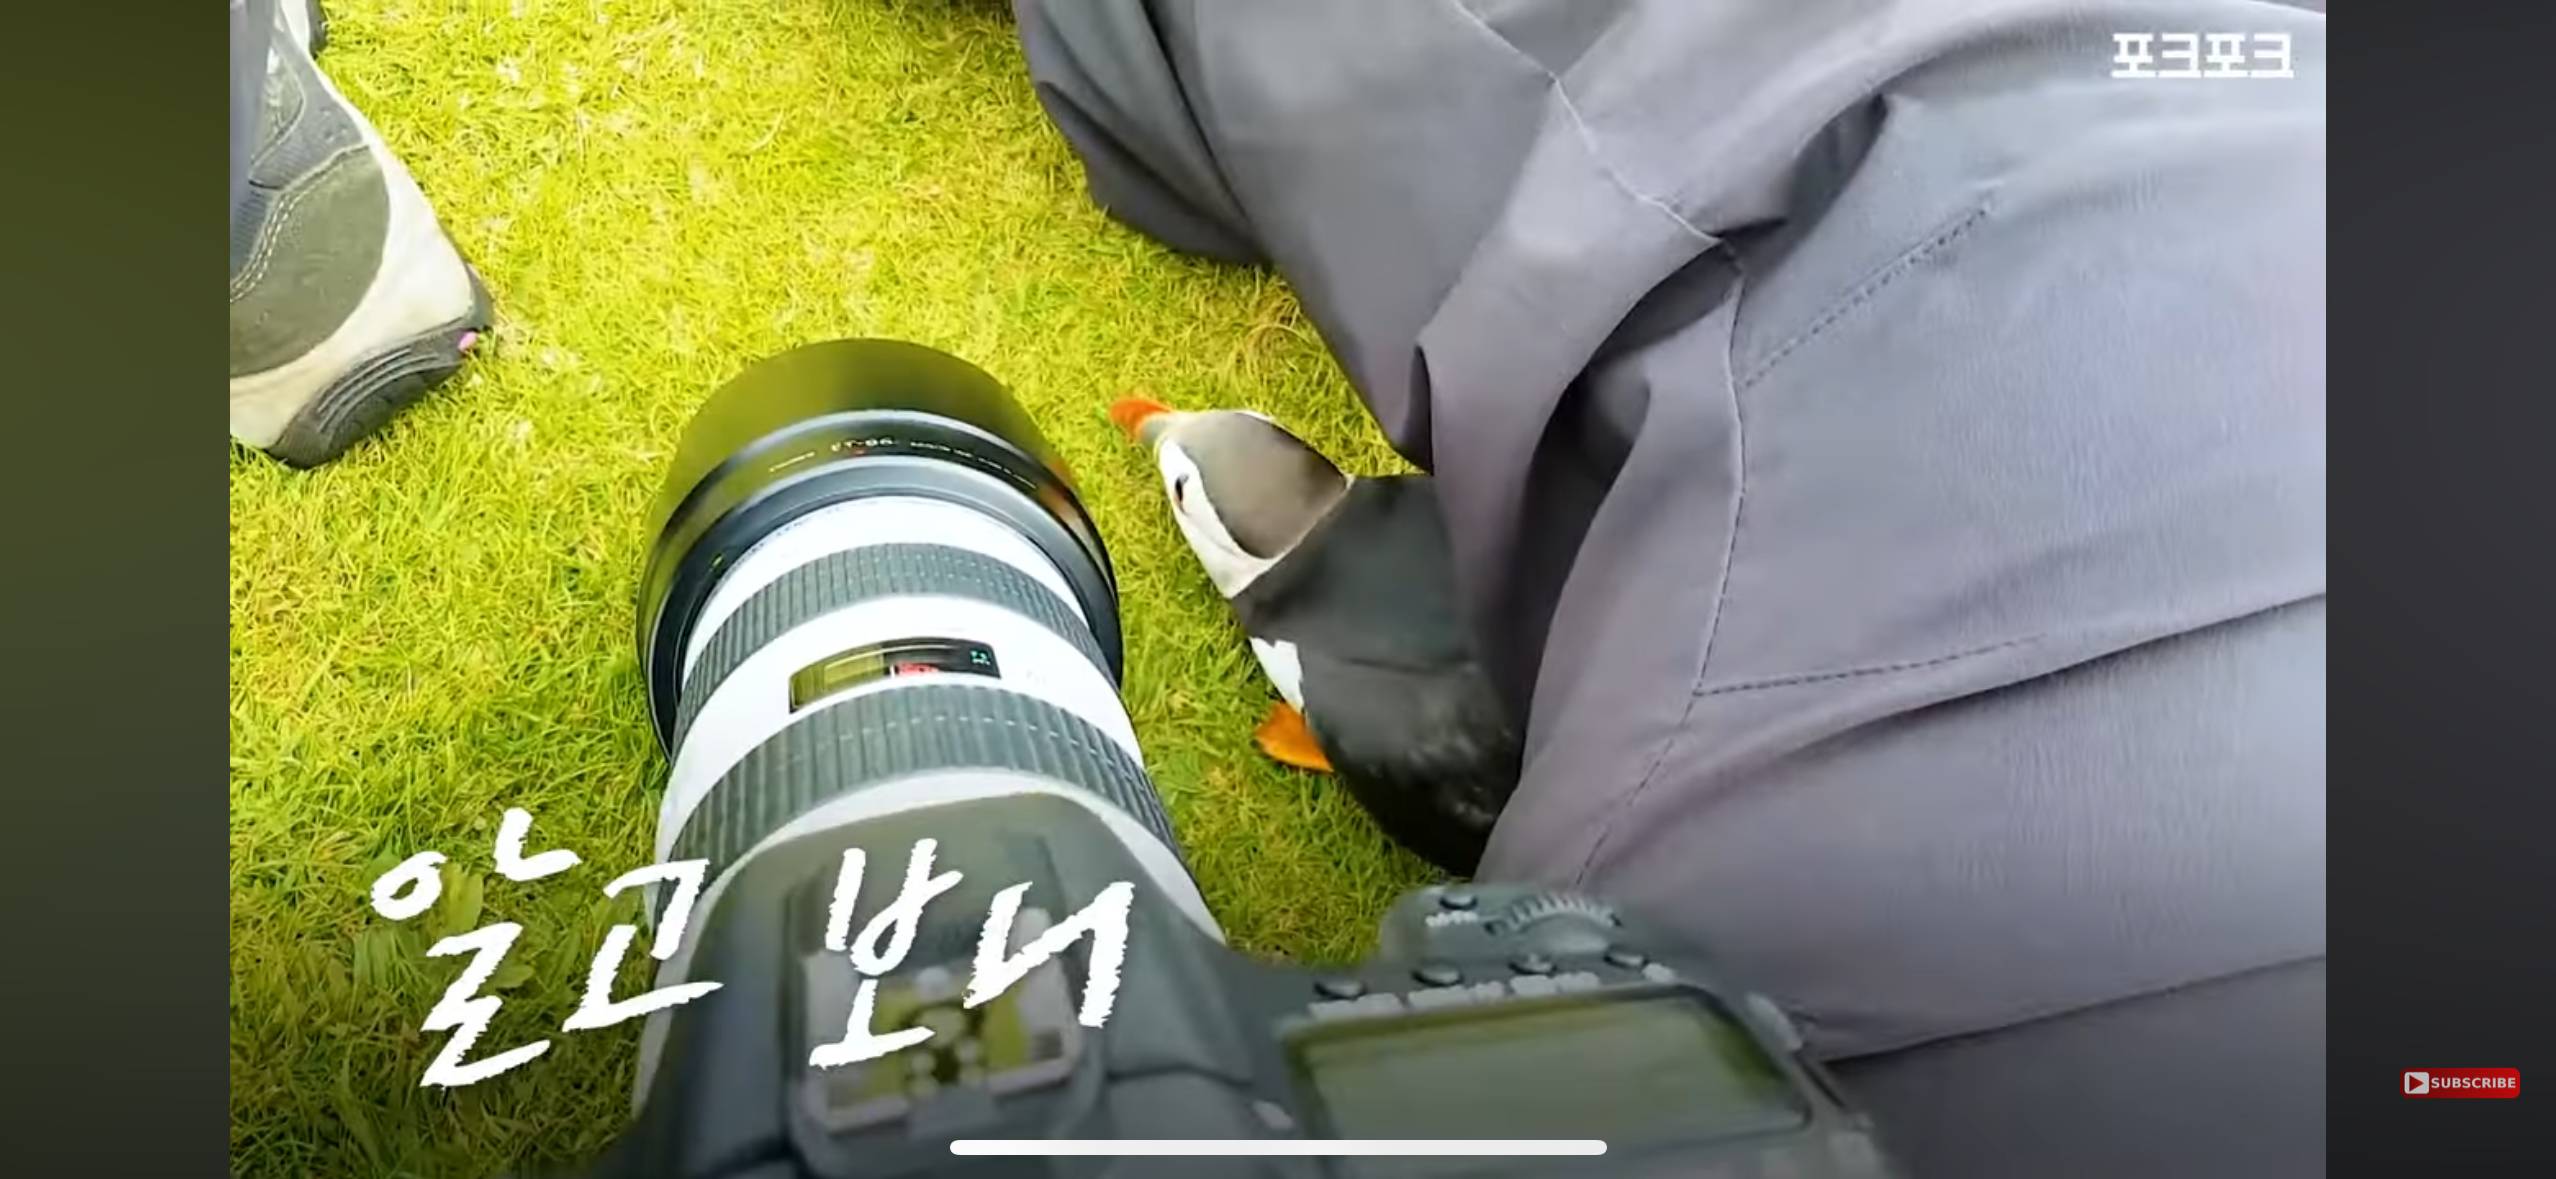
(1629, 1071)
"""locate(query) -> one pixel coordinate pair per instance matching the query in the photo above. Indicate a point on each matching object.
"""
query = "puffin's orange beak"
(1131, 413)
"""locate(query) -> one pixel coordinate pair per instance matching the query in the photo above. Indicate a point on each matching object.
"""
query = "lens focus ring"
(872, 738)
(854, 575)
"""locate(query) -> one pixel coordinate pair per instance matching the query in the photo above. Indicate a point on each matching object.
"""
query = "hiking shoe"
(347, 300)
(303, 21)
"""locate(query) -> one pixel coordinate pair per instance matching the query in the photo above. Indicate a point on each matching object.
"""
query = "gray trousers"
(1885, 458)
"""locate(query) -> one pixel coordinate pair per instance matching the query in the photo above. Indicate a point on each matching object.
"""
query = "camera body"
(1486, 1012)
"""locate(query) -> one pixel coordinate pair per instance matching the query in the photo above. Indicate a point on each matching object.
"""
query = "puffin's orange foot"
(1286, 738)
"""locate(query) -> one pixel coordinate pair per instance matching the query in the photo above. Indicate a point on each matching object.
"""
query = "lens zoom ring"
(875, 571)
(867, 739)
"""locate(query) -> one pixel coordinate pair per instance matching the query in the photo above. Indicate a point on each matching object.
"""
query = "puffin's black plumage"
(1392, 690)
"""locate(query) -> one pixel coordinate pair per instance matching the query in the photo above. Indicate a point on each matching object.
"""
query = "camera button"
(1576, 981)
(1437, 997)
(1626, 957)
(1380, 1003)
(1438, 974)
(1339, 988)
(1531, 963)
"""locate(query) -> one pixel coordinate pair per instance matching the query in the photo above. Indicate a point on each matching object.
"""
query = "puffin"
(1345, 588)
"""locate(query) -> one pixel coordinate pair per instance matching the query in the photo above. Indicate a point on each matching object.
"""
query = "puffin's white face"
(1226, 563)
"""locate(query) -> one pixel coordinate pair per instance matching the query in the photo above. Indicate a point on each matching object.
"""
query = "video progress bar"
(1273, 1147)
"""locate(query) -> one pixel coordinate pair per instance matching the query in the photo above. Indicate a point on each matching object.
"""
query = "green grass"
(438, 627)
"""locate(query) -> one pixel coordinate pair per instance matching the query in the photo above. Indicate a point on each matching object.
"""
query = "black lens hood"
(837, 421)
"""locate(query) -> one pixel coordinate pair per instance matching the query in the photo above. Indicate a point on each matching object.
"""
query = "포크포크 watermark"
(2201, 56)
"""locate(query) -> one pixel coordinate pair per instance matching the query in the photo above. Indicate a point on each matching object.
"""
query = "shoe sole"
(378, 387)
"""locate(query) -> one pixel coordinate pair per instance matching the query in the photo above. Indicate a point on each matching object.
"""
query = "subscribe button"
(2462, 1082)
